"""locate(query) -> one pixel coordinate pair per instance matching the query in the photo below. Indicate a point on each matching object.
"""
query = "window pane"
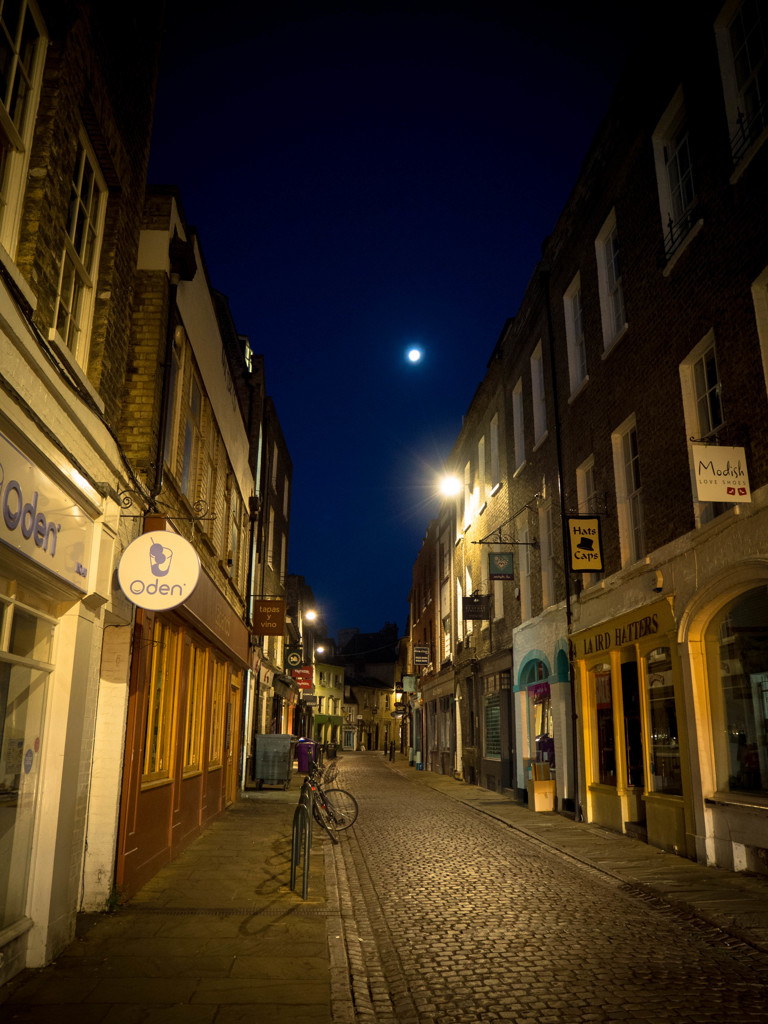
(741, 663)
(666, 775)
(606, 745)
(31, 637)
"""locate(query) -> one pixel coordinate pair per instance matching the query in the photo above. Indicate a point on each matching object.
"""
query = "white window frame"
(746, 138)
(482, 482)
(17, 132)
(539, 396)
(84, 278)
(760, 300)
(467, 494)
(574, 336)
(546, 549)
(495, 463)
(675, 179)
(523, 553)
(518, 424)
(610, 283)
(189, 470)
(704, 511)
(586, 494)
(629, 498)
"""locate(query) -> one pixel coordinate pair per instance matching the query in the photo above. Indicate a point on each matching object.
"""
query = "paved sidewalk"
(217, 935)
(735, 902)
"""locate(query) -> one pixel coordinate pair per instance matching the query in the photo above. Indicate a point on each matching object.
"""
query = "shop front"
(55, 567)
(183, 737)
(544, 719)
(724, 632)
(635, 745)
(440, 737)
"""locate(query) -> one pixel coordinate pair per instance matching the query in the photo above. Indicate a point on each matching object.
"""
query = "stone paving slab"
(216, 935)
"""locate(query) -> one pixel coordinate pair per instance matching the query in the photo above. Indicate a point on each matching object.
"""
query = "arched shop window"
(737, 662)
(542, 732)
(666, 776)
(606, 741)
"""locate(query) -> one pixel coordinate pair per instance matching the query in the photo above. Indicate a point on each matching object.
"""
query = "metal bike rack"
(302, 837)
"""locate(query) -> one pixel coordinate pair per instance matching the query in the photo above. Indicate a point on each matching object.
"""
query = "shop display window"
(666, 776)
(737, 648)
(160, 705)
(26, 652)
(606, 742)
(193, 734)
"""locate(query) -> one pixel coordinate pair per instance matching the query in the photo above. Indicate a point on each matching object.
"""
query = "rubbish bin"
(273, 763)
(330, 750)
(305, 749)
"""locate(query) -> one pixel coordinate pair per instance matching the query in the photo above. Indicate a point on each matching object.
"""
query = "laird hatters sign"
(641, 624)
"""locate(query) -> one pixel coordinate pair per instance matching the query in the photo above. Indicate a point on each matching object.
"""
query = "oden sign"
(159, 570)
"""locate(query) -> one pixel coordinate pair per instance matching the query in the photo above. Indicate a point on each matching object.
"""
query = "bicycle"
(334, 809)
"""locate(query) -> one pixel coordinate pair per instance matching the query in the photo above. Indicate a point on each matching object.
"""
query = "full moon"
(414, 355)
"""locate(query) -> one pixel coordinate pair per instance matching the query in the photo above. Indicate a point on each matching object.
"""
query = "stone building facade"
(74, 142)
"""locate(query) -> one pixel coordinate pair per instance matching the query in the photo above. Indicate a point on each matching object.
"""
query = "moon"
(414, 355)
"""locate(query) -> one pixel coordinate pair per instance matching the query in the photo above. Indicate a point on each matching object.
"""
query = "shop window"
(606, 743)
(26, 639)
(665, 771)
(471, 721)
(737, 659)
(160, 706)
(195, 713)
(492, 712)
(218, 699)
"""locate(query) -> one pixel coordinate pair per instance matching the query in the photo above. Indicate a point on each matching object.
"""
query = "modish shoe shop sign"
(159, 570)
(40, 520)
(721, 473)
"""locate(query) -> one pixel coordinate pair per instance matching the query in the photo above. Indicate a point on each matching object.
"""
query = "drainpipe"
(544, 278)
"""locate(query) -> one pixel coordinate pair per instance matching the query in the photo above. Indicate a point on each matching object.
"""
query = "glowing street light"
(450, 486)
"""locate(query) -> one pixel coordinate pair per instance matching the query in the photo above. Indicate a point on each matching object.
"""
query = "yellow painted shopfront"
(635, 774)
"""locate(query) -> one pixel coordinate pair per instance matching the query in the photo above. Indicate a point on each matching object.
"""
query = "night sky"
(366, 177)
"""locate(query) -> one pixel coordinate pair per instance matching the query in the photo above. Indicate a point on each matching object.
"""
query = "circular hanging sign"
(158, 570)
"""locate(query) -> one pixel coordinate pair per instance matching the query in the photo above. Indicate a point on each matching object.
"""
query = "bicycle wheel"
(321, 816)
(341, 808)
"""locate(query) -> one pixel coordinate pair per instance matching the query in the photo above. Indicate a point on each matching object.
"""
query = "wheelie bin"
(305, 749)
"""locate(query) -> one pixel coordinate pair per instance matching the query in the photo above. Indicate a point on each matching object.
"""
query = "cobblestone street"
(450, 916)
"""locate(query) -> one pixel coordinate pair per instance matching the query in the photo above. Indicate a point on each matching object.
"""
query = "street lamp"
(450, 486)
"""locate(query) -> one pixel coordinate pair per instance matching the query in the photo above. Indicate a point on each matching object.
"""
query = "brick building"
(74, 140)
(184, 425)
(635, 382)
